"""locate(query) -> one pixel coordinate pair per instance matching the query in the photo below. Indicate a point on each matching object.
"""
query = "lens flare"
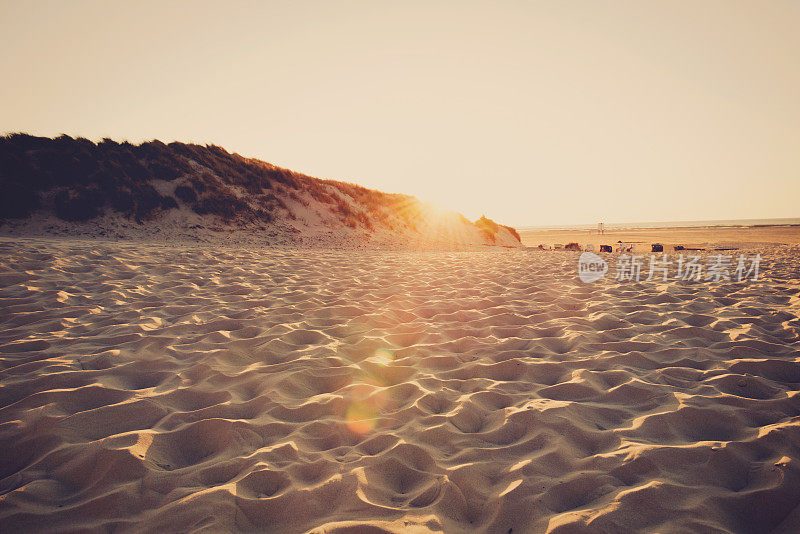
(361, 417)
(383, 356)
(365, 401)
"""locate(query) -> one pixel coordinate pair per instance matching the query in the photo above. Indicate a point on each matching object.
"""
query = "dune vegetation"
(78, 180)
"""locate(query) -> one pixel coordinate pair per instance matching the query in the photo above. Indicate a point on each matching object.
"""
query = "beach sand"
(148, 388)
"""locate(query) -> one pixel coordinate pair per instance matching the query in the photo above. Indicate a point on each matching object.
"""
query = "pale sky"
(531, 112)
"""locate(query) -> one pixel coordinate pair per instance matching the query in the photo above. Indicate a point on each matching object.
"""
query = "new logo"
(591, 267)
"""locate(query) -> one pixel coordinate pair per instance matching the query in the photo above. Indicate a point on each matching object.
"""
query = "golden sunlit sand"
(150, 388)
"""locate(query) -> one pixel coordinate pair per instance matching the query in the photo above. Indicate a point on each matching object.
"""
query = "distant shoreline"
(734, 223)
(700, 236)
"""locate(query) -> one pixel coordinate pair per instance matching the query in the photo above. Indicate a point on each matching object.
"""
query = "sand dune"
(172, 388)
(203, 194)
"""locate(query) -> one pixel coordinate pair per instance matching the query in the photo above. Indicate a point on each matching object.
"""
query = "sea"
(734, 223)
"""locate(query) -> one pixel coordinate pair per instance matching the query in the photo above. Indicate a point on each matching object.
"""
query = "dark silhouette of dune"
(77, 180)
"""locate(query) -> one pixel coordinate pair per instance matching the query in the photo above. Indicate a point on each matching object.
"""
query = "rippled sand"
(147, 388)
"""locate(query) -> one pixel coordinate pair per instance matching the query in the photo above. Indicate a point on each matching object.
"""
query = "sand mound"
(148, 388)
(203, 194)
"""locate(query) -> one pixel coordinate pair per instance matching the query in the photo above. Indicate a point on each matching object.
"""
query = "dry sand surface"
(171, 388)
(642, 238)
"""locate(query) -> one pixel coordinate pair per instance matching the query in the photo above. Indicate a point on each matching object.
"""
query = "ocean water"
(669, 224)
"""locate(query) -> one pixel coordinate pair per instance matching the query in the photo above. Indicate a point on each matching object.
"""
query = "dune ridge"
(180, 192)
(147, 388)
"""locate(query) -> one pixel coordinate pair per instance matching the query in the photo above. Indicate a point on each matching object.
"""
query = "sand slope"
(313, 226)
(148, 388)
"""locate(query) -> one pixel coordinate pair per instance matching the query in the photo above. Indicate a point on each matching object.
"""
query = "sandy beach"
(148, 387)
(272, 267)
